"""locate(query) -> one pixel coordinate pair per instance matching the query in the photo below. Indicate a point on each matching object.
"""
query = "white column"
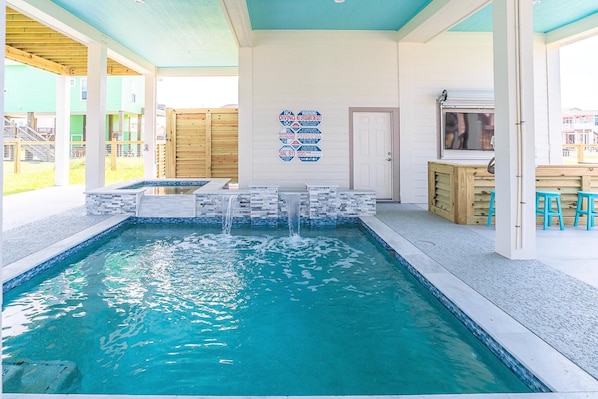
(3, 40)
(149, 127)
(95, 161)
(514, 129)
(63, 130)
(245, 132)
(555, 120)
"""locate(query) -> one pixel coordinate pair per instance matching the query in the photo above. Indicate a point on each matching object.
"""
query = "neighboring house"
(30, 99)
(580, 126)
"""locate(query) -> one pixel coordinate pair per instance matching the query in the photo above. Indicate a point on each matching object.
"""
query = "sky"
(197, 92)
(579, 74)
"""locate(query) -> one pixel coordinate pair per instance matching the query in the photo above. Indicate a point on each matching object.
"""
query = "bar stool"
(491, 210)
(547, 212)
(590, 211)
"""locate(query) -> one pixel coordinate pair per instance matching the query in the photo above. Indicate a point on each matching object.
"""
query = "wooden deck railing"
(580, 153)
(14, 150)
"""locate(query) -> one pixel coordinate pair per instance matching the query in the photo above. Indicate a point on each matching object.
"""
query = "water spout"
(229, 203)
(293, 201)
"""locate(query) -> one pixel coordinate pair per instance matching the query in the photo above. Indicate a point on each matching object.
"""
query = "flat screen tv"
(466, 129)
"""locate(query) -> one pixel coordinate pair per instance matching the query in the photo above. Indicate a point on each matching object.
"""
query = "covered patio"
(553, 299)
(343, 62)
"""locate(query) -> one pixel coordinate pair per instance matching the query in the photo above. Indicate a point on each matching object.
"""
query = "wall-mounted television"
(465, 124)
(467, 129)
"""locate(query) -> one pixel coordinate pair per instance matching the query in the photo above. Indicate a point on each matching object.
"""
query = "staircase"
(175, 206)
(44, 151)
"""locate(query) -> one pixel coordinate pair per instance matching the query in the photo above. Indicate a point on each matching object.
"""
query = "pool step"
(47, 377)
(176, 206)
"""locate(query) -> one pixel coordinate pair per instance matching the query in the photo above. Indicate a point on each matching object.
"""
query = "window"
(83, 89)
(595, 120)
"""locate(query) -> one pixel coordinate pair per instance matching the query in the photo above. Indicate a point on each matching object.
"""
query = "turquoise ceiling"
(167, 33)
(548, 15)
(196, 33)
(329, 15)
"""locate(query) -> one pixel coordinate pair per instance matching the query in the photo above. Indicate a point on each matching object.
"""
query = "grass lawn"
(35, 175)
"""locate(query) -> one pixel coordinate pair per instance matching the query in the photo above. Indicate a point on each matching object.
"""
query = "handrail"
(580, 152)
(114, 149)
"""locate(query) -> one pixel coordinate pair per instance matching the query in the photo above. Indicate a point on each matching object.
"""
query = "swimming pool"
(329, 313)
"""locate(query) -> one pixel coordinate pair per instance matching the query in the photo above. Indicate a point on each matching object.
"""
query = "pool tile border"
(30, 266)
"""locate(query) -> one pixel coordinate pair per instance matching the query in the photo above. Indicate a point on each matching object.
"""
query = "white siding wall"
(451, 61)
(332, 71)
(319, 70)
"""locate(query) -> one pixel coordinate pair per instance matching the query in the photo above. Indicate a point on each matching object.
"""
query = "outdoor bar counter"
(460, 192)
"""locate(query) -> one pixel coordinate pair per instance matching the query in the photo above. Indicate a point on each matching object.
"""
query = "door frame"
(394, 137)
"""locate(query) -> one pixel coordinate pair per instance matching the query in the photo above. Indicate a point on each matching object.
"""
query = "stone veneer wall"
(356, 203)
(261, 205)
(211, 206)
(283, 209)
(111, 204)
(323, 204)
(264, 205)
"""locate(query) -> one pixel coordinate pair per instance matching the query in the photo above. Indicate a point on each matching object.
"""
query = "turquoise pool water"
(162, 187)
(187, 310)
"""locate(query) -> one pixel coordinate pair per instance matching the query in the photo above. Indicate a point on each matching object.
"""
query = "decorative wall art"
(300, 136)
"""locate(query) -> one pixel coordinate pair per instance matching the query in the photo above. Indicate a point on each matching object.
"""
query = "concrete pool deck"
(554, 299)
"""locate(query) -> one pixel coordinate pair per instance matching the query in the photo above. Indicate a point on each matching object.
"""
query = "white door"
(372, 153)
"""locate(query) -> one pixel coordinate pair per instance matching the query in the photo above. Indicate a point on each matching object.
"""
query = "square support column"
(514, 127)
(245, 135)
(62, 135)
(95, 151)
(149, 127)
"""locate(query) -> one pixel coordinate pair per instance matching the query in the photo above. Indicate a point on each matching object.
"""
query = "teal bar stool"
(590, 210)
(547, 211)
(491, 210)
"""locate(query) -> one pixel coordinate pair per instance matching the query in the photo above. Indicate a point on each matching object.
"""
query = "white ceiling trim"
(62, 21)
(197, 71)
(237, 17)
(438, 17)
(582, 29)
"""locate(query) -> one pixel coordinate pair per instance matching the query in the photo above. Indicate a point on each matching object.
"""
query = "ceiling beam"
(438, 17)
(198, 71)
(237, 17)
(29, 59)
(579, 30)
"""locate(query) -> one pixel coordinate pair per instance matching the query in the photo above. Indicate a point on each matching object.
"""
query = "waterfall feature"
(229, 203)
(293, 201)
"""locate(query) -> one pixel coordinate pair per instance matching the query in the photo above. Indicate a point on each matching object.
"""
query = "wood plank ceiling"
(32, 43)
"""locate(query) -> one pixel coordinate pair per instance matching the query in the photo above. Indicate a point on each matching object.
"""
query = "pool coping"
(562, 376)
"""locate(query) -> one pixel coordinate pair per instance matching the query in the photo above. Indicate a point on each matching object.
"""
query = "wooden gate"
(202, 143)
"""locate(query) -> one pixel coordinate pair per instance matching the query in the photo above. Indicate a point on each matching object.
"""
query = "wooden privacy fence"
(461, 193)
(202, 143)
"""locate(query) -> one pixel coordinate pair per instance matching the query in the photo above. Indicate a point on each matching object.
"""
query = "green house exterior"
(31, 91)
